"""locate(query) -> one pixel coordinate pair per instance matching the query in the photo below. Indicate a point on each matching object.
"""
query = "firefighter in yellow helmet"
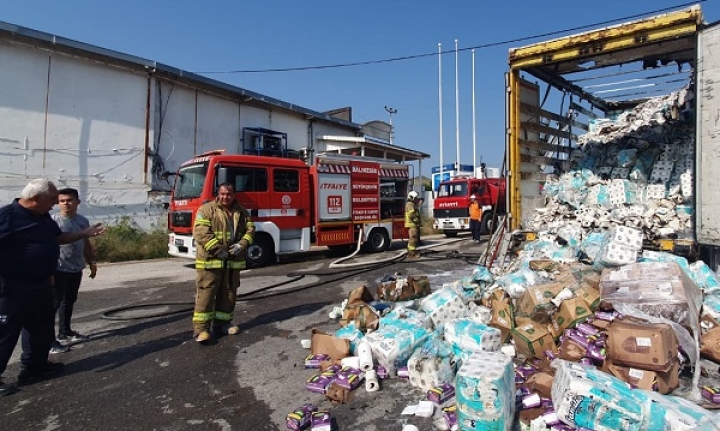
(222, 232)
(412, 222)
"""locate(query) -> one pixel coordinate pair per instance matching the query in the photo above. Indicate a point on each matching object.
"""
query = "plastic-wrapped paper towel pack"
(466, 336)
(443, 305)
(396, 340)
(485, 392)
(432, 364)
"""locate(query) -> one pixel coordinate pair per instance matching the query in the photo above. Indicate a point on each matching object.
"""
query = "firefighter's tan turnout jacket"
(215, 230)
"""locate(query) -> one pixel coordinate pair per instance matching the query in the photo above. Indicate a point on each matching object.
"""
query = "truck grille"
(181, 218)
(451, 212)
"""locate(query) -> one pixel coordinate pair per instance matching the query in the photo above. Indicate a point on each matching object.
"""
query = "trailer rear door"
(707, 181)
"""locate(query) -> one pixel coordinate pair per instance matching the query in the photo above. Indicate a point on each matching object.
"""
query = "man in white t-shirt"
(71, 264)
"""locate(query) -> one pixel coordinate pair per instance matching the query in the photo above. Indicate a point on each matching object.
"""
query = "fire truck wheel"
(261, 251)
(377, 241)
(488, 224)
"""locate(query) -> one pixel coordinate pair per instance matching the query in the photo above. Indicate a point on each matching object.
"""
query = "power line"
(482, 46)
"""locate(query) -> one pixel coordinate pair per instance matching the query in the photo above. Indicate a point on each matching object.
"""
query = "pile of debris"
(578, 349)
(582, 330)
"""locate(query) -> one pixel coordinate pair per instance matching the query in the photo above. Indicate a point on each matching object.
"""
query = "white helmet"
(412, 195)
(472, 197)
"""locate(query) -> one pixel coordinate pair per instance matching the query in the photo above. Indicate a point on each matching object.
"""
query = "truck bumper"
(451, 224)
(181, 246)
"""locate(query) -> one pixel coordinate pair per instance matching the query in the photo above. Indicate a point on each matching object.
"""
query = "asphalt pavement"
(141, 370)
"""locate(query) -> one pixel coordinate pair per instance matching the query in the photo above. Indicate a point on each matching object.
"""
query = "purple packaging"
(315, 361)
(519, 379)
(318, 383)
(711, 394)
(562, 427)
(450, 416)
(350, 378)
(531, 401)
(577, 337)
(546, 403)
(440, 394)
(403, 372)
(300, 418)
(550, 417)
(605, 315)
(321, 421)
(586, 329)
(382, 373)
(332, 370)
(596, 353)
(587, 361)
(526, 370)
(550, 355)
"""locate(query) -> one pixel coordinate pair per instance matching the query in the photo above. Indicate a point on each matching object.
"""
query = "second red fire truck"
(451, 204)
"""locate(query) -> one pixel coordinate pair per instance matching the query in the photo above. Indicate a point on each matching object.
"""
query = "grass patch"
(126, 241)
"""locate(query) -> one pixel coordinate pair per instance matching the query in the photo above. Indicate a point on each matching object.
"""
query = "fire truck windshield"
(190, 181)
(453, 190)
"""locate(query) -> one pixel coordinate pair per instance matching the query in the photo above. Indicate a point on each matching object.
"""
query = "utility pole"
(391, 111)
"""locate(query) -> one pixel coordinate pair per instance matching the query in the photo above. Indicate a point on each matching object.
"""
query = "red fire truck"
(335, 202)
(451, 212)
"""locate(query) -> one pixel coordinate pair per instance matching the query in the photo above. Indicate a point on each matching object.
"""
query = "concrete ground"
(149, 374)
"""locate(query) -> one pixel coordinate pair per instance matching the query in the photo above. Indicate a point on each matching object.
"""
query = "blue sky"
(224, 35)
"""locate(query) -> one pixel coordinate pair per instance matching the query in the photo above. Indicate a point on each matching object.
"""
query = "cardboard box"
(535, 302)
(571, 350)
(571, 312)
(503, 317)
(660, 289)
(532, 339)
(323, 343)
(662, 382)
(540, 383)
(589, 294)
(648, 346)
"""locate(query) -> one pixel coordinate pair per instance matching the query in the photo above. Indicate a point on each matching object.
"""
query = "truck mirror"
(222, 176)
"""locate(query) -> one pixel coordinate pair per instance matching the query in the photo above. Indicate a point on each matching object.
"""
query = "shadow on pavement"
(283, 314)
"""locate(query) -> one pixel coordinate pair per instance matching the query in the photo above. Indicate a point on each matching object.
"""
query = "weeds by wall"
(126, 241)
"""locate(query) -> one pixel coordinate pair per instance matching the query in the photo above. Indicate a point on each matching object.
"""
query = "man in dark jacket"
(29, 250)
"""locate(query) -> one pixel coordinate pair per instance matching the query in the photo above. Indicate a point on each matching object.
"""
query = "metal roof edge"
(154, 66)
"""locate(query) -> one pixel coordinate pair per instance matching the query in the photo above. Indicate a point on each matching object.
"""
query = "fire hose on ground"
(344, 270)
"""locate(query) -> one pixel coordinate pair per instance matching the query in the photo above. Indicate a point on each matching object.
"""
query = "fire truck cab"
(451, 212)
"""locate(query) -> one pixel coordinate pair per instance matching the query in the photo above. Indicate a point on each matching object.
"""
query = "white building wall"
(82, 124)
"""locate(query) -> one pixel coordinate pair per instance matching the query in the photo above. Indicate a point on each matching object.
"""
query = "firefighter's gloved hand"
(236, 249)
(222, 254)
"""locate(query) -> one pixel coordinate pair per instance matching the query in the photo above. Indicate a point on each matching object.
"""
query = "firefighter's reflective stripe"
(202, 317)
(218, 264)
(202, 222)
(233, 264)
(248, 238)
(226, 317)
(212, 243)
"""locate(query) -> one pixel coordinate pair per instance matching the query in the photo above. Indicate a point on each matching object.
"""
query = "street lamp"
(391, 111)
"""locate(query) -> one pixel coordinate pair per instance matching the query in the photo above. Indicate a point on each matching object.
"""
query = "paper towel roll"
(371, 381)
(365, 354)
(351, 361)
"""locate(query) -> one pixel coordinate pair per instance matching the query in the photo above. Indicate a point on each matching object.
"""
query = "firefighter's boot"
(228, 329)
(202, 337)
